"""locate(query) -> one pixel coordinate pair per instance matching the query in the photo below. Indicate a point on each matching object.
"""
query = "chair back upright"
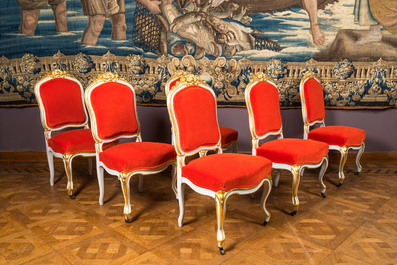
(312, 100)
(262, 100)
(192, 109)
(61, 102)
(111, 118)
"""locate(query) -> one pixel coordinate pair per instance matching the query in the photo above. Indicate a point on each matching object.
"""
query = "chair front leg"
(324, 167)
(50, 158)
(358, 157)
(124, 178)
(296, 173)
(220, 202)
(173, 181)
(343, 157)
(265, 195)
(67, 162)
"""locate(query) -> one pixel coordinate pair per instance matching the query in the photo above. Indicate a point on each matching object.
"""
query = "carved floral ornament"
(346, 84)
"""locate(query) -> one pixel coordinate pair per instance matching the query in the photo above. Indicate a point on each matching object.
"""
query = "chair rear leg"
(181, 200)
(140, 182)
(235, 146)
(50, 158)
(67, 161)
(343, 157)
(220, 202)
(276, 180)
(358, 157)
(90, 166)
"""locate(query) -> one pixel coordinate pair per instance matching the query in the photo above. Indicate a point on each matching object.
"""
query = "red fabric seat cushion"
(293, 151)
(137, 155)
(74, 141)
(227, 171)
(338, 135)
(228, 135)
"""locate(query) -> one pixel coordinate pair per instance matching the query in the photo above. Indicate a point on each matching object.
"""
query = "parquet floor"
(39, 224)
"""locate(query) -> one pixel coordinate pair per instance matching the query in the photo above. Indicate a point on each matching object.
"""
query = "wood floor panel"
(40, 224)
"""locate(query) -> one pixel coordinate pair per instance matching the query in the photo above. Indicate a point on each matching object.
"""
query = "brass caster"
(265, 223)
(340, 184)
(221, 251)
(293, 213)
(128, 219)
(323, 195)
(72, 197)
(356, 173)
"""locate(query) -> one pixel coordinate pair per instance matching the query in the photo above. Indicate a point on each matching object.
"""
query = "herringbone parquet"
(355, 224)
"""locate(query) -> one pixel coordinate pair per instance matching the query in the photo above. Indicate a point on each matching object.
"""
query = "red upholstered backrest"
(62, 101)
(314, 100)
(113, 106)
(265, 106)
(196, 118)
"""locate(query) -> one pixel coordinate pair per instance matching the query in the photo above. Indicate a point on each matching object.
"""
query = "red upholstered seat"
(137, 156)
(228, 135)
(338, 135)
(79, 140)
(227, 171)
(293, 151)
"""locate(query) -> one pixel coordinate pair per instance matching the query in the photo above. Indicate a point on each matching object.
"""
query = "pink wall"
(20, 128)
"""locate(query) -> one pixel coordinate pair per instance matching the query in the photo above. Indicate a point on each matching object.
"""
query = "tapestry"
(350, 44)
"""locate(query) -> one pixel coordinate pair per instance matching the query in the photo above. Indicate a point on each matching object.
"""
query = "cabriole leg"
(50, 159)
(220, 202)
(67, 161)
(265, 195)
(358, 157)
(296, 173)
(324, 167)
(343, 158)
(125, 187)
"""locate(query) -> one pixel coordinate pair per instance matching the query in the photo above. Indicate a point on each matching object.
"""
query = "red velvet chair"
(62, 110)
(229, 136)
(193, 113)
(262, 99)
(112, 107)
(340, 138)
